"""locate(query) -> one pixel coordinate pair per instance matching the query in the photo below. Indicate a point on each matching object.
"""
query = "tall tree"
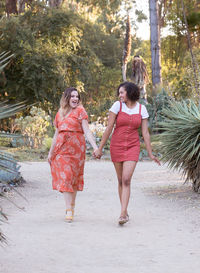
(155, 43)
(127, 48)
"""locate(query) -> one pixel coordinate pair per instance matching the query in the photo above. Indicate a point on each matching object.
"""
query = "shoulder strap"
(140, 108)
(120, 107)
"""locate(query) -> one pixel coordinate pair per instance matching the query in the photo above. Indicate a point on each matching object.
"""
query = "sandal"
(123, 219)
(127, 217)
(69, 215)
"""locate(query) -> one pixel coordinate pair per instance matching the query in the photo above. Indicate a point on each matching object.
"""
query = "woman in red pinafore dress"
(127, 115)
(67, 153)
(125, 142)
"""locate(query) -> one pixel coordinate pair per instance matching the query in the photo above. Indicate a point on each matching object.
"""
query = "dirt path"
(162, 236)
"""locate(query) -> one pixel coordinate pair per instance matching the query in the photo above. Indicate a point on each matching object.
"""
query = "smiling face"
(122, 94)
(74, 99)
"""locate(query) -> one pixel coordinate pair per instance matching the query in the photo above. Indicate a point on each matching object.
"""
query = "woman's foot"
(123, 219)
(69, 215)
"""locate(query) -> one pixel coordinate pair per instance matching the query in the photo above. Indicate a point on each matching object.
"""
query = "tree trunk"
(127, 48)
(11, 7)
(55, 3)
(21, 4)
(155, 43)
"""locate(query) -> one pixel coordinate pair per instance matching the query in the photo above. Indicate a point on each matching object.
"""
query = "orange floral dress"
(68, 159)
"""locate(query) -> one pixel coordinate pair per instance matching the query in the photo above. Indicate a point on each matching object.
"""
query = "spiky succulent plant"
(180, 139)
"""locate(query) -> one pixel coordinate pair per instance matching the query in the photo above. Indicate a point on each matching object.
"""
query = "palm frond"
(180, 139)
(5, 59)
(7, 110)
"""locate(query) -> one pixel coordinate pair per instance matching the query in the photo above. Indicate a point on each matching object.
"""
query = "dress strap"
(140, 108)
(120, 106)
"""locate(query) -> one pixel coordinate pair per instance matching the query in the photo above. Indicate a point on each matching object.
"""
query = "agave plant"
(180, 139)
(9, 169)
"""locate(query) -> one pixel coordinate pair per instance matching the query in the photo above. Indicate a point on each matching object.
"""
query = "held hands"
(97, 154)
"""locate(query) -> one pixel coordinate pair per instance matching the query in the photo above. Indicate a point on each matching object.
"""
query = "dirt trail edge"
(162, 235)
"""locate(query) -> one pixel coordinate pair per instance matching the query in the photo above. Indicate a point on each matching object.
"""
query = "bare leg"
(74, 198)
(118, 169)
(73, 201)
(68, 197)
(128, 169)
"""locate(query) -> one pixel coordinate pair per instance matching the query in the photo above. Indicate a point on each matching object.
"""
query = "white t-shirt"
(135, 110)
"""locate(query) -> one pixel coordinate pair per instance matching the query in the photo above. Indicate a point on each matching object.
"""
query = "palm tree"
(155, 43)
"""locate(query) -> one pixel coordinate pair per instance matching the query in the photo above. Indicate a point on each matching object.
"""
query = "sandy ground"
(162, 235)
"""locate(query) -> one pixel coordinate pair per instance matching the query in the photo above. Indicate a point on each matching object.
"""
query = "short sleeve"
(144, 112)
(115, 107)
(56, 120)
(82, 113)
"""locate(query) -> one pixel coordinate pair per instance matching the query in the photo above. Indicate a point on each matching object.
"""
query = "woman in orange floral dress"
(67, 153)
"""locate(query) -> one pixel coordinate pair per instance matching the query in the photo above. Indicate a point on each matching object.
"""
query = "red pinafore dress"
(125, 142)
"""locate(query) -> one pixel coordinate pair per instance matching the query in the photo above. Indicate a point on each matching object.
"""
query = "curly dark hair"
(132, 90)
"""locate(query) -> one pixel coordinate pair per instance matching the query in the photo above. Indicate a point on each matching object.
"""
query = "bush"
(34, 126)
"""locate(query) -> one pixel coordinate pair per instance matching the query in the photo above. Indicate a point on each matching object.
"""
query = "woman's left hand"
(49, 158)
(155, 159)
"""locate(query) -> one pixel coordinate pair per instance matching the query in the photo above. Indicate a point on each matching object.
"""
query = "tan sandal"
(69, 215)
(123, 219)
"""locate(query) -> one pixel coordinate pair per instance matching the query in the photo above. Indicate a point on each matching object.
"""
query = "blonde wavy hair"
(64, 101)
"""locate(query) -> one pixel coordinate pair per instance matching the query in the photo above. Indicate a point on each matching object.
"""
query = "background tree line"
(63, 43)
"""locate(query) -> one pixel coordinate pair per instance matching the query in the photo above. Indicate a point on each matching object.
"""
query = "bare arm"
(106, 134)
(89, 134)
(52, 145)
(146, 136)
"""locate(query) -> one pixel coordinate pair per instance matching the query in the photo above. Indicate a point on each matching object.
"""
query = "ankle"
(124, 213)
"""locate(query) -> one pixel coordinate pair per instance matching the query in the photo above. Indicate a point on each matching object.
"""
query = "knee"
(126, 182)
(120, 182)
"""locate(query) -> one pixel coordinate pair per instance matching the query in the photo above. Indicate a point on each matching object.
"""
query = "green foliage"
(44, 44)
(180, 139)
(177, 70)
(155, 108)
(47, 143)
(34, 125)
(9, 169)
(55, 48)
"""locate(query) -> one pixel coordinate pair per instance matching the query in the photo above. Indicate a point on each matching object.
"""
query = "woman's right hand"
(155, 159)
